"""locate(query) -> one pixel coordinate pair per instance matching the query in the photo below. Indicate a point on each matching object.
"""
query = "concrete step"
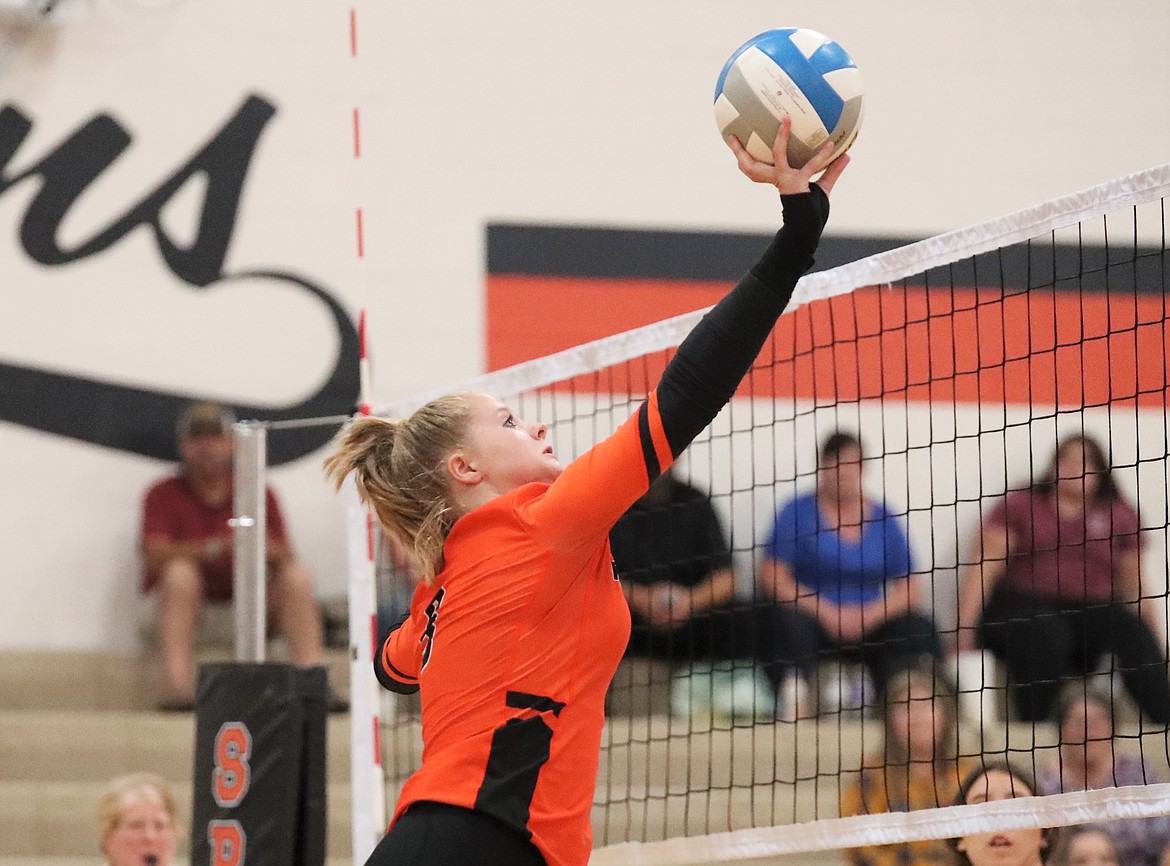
(39, 819)
(63, 679)
(64, 746)
(54, 764)
(56, 745)
(70, 721)
(108, 680)
(57, 820)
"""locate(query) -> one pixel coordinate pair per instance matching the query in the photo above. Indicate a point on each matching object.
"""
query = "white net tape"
(830, 834)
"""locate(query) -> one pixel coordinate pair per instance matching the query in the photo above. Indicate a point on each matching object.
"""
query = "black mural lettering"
(73, 166)
(135, 419)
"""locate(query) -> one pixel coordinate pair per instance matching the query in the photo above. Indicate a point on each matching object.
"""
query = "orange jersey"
(515, 643)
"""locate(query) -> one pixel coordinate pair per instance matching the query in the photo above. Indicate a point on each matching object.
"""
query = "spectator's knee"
(181, 577)
(292, 578)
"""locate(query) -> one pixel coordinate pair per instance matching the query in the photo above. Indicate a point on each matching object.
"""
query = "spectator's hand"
(842, 623)
(216, 548)
(682, 605)
(828, 615)
(640, 599)
(851, 623)
(964, 640)
(660, 605)
(780, 174)
(670, 605)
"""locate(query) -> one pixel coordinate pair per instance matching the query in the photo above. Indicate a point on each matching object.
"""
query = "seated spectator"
(1001, 781)
(137, 825)
(917, 767)
(1054, 584)
(838, 564)
(187, 552)
(676, 570)
(1089, 760)
(1086, 845)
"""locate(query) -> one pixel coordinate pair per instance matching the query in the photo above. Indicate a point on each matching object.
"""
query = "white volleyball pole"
(367, 774)
(250, 539)
(368, 779)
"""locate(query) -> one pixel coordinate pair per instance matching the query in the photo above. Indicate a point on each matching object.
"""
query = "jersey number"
(428, 635)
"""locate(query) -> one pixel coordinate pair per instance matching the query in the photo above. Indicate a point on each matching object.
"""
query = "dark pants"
(435, 834)
(738, 631)
(1044, 641)
(728, 632)
(899, 643)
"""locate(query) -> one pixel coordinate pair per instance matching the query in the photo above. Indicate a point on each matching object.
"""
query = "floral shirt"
(871, 794)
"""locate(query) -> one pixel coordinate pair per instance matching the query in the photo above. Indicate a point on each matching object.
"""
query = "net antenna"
(925, 349)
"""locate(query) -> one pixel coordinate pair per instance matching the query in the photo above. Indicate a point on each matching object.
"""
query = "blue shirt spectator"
(836, 568)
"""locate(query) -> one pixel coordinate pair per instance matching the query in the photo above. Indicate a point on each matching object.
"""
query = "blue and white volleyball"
(796, 72)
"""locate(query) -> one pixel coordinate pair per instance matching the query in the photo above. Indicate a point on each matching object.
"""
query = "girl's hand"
(786, 179)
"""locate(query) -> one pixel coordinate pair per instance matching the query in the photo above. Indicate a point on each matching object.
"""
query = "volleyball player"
(518, 625)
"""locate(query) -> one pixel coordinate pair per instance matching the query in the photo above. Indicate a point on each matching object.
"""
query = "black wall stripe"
(583, 251)
(609, 253)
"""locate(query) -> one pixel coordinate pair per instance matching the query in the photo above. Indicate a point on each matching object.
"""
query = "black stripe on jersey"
(393, 671)
(389, 676)
(389, 683)
(540, 703)
(520, 747)
(649, 455)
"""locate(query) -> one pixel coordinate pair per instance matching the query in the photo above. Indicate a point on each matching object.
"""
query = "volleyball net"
(959, 362)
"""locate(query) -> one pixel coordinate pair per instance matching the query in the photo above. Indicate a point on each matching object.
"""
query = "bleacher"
(69, 721)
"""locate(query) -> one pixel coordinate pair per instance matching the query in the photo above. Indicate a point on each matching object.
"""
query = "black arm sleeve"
(718, 353)
(399, 682)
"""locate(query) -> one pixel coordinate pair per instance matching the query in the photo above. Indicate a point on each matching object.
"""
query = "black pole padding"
(259, 782)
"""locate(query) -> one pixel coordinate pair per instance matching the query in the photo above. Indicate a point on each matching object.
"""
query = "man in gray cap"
(187, 554)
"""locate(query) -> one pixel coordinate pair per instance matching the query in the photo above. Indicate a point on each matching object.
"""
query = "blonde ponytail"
(399, 467)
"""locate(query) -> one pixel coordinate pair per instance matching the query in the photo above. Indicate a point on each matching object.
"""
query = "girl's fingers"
(760, 172)
(820, 159)
(829, 178)
(780, 144)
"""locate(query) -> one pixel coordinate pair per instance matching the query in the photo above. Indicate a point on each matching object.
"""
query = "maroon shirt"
(171, 510)
(1064, 557)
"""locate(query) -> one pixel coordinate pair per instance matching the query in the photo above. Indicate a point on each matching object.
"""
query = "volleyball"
(796, 72)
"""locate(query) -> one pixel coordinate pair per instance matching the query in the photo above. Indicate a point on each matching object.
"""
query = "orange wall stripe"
(969, 346)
